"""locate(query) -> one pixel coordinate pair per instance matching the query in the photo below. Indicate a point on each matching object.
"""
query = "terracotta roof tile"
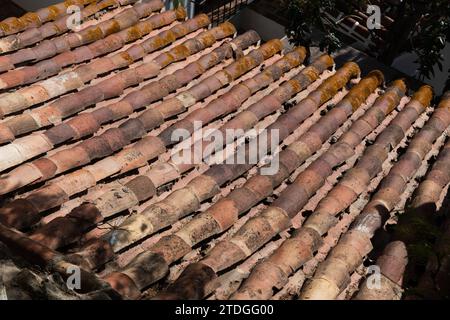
(34, 19)
(90, 172)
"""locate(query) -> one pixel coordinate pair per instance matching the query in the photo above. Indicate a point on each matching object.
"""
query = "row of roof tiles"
(122, 134)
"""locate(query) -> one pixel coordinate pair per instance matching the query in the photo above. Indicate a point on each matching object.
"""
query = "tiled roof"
(90, 177)
(32, 20)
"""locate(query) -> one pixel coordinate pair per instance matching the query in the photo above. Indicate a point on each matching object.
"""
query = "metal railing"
(219, 10)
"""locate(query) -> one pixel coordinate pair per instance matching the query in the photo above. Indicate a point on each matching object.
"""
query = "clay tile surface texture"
(141, 146)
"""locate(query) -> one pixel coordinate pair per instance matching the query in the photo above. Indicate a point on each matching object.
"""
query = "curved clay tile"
(68, 81)
(116, 138)
(392, 265)
(418, 227)
(99, 184)
(115, 32)
(276, 218)
(225, 212)
(51, 260)
(288, 258)
(34, 19)
(133, 156)
(217, 175)
(57, 27)
(332, 274)
(85, 124)
(142, 187)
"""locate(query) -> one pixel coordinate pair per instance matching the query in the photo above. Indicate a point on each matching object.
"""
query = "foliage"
(305, 16)
(420, 26)
(177, 3)
(430, 36)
